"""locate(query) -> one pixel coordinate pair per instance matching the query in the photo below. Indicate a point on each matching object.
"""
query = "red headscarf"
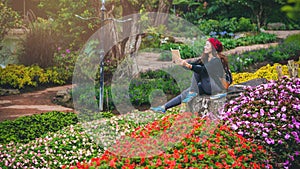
(216, 43)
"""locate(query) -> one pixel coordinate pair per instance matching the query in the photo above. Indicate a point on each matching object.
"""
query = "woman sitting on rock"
(211, 75)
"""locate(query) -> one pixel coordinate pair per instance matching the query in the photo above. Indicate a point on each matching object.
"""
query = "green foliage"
(20, 76)
(261, 38)
(40, 44)
(64, 61)
(292, 11)
(10, 49)
(27, 128)
(282, 52)
(8, 19)
(245, 25)
(185, 50)
(231, 25)
(293, 39)
(74, 31)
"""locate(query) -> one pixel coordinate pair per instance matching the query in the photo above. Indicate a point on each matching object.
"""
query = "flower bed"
(218, 147)
(269, 115)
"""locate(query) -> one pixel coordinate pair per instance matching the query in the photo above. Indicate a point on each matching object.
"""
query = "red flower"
(201, 156)
(158, 162)
(219, 165)
(186, 159)
(112, 163)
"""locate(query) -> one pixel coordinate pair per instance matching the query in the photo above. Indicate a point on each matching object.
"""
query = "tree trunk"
(163, 8)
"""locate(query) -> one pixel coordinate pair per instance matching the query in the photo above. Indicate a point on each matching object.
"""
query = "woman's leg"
(176, 100)
(194, 82)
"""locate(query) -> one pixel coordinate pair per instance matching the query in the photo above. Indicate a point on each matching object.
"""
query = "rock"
(6, 92)
(64, 98)
(206, 106)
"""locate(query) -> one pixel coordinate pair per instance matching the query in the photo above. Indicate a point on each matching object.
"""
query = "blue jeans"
(196, 86)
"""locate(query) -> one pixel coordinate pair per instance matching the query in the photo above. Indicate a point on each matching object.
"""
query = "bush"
(245, 25)
(64, 61)
(25, 129)
(20, 76)
(40, 44)
(269, 115)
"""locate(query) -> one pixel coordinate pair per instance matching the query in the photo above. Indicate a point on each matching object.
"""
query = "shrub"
(269, 115)
(64, 63)
(25, 129)
(20, 76)
(245, 25)
(40, 45)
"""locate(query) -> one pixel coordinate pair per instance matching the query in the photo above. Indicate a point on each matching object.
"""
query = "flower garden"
(257, 129)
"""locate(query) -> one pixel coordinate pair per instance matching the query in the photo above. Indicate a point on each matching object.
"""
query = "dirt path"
(15, 106)
(25, 104)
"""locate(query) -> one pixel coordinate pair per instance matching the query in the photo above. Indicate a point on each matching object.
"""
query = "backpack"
(227, 81)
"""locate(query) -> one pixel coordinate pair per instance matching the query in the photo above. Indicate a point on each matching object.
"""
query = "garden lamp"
(102, 19)
(101, 58)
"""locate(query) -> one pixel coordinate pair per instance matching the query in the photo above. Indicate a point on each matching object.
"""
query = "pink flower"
(283, 108)
(68, 51)
(287, 136)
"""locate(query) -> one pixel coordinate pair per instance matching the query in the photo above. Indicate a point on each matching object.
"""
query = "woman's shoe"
(218, 96)
(158, 109)
(189, 97)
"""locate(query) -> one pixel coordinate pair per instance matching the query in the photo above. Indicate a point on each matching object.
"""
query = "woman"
(208, 77)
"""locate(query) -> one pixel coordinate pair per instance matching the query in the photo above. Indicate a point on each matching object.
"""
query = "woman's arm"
(196, 60)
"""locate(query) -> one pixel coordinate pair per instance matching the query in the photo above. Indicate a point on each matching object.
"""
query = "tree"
(293, 9)
(74, 30)
(260, 10)
(8, 19)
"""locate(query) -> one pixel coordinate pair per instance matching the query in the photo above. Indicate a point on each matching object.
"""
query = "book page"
(176, 56)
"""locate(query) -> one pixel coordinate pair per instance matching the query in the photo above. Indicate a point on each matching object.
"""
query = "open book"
(176, 58)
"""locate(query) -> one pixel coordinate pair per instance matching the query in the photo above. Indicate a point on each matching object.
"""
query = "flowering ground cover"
(269, 115)
(71, 144)
(218, 147)
(259, 129)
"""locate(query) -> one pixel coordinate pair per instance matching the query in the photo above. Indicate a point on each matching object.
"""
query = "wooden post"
(279, 72)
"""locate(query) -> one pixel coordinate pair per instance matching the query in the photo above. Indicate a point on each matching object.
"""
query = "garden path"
(36, 102)
(24, 104)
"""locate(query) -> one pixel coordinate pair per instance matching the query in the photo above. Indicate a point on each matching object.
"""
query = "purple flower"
(279, 142)
(262, 112)
(296, 106)
(297, 153)
(295, 134)
(283, 116)
(264, 134)
(287, 136)
(255, 115)
(290, 126)
(283, 108)
(68, 51)
(234, 127)
(59, 48)
(286, 162)
(269, 141)
(278, 115)
(241, 133)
